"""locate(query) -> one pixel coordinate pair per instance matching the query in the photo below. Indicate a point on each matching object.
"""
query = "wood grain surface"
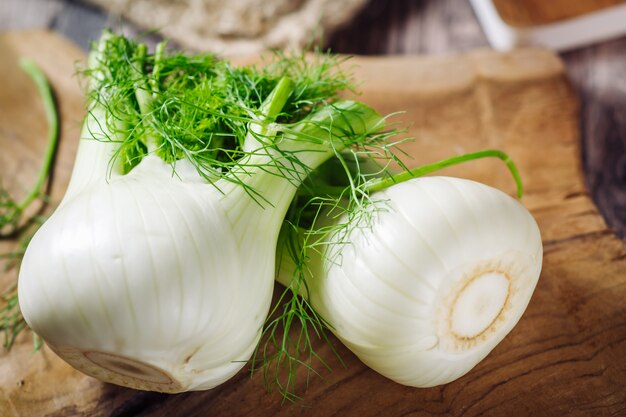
(566, 355)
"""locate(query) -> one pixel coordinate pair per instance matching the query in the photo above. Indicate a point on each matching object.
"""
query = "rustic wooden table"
(598, 75)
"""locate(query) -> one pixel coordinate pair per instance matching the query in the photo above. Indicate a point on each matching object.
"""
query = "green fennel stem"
(100, 138)
(277, 99)
(382, 183)
(156, 70)
(300, 150)
(142, 91)
(269, 110)
(11, 321)
(45, 92)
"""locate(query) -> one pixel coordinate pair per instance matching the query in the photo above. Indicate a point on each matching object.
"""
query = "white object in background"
(563, 35)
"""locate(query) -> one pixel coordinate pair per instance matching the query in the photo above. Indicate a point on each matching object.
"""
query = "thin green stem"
(142, 91)
(45, 92)
(269, 110)
(353, 188)
(382, 183)
(277, 99)
(11, 320)
(156, 70)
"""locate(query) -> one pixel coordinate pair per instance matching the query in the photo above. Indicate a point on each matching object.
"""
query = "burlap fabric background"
(236, 27)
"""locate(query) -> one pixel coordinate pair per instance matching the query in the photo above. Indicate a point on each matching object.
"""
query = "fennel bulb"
(427, 281)
(156, 270)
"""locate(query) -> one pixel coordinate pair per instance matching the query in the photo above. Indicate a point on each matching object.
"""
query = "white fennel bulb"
(158, 275)
(438, 277)
(147, 280)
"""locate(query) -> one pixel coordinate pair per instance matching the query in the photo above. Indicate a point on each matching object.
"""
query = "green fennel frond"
(197, 108)
(13, 225)
(11, 210)
(288, 354)
(12, 322)
(382, 183)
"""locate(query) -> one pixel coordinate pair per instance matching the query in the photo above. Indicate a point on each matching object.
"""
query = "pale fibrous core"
(479, 304)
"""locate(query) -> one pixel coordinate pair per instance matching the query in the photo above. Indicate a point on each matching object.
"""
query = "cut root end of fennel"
(481, 304)
(121, 370)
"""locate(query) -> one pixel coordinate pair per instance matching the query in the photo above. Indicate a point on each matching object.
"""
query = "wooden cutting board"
(565, 357)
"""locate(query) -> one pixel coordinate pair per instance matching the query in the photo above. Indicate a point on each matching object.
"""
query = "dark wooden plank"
(599, 74)
(409, 27)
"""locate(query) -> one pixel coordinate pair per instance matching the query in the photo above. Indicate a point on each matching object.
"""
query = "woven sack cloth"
(237, 27)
